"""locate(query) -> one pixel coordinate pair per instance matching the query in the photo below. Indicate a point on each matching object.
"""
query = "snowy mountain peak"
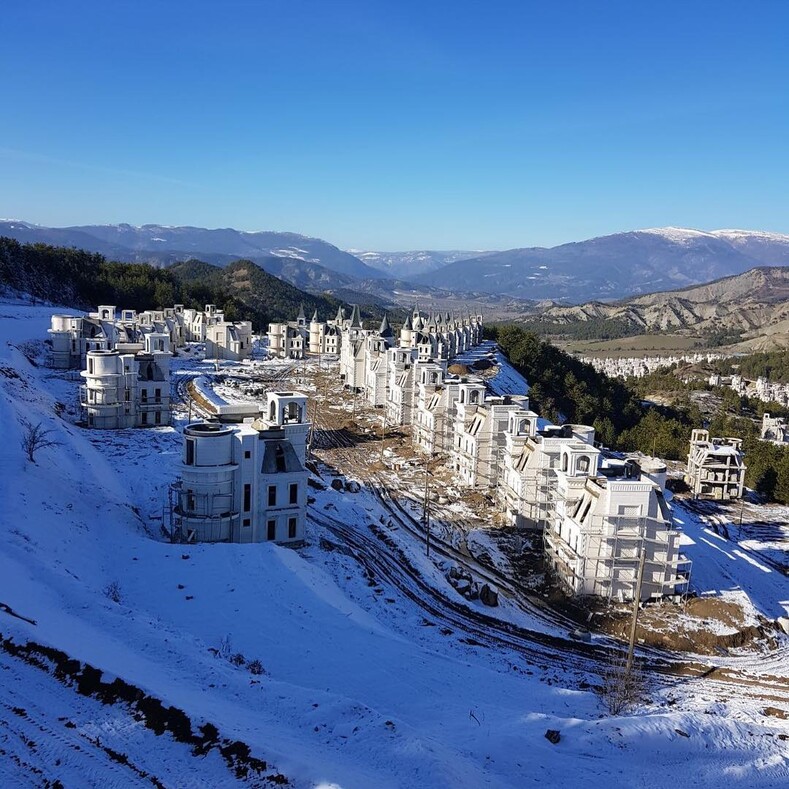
(676, 234)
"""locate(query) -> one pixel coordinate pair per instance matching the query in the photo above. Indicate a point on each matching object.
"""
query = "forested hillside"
(773, 365)
(567, 389)
(83, 279)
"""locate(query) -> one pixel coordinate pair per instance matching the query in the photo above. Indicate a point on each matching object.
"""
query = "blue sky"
(398, 125)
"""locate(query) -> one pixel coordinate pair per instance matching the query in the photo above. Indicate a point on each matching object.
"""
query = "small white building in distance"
(716, 469)
(608, 524)
(225, 340)
(774, 428)
(245, 482)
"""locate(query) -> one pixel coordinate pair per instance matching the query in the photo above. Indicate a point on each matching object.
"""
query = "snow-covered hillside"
(330, 676)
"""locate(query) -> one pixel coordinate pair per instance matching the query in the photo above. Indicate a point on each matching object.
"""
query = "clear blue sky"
(397, 124)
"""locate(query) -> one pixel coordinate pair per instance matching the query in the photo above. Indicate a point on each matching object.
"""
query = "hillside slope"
(358, 689)
(242, 289)
(755, 303)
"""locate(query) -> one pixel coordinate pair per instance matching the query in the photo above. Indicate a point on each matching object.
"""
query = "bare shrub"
(113, 592)
(255, 667)
(225, 647)
(36, 437)
(621, 690)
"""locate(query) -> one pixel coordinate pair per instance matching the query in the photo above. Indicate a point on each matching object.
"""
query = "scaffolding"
(607, 552)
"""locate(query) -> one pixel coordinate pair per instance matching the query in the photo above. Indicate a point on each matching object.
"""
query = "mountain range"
(299, 259)
(606, 268)
(615, 266)
(408, 264)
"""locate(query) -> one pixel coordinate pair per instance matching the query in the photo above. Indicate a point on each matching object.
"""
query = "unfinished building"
(527, 491)
(716, 468)
(128, 386)
(613, 534)
(774, 428)
(244, 481)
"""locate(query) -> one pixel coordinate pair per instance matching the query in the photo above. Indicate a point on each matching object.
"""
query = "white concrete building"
(325, 337)
(435, 409)
(377, 344)
(774, 428)
(245, 482)
(295, 339)
(400, 385)
(480, 435)
(128, 387)
(352, 352)
(532, 457)
(613, 531)
(226, 340)
(716, 468)
(107, 329)
(289, 339)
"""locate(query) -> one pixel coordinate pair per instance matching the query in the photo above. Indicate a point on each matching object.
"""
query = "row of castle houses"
(600, 517)
(125, 357)
(438, 336)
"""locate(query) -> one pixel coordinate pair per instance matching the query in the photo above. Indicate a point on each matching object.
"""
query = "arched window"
(272, 411)
(564, 462)
(583, 464)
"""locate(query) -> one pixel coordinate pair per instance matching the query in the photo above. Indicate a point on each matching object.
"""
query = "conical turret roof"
(356, 317)
(386, 329)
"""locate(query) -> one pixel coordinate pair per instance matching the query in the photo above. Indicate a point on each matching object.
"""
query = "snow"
(203, 387)
(726, 567)
(357, 691)
(676, 234)
(681, 234)
(506, 380)
(736, 235)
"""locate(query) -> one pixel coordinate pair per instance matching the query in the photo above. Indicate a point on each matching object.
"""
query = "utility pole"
(636, 601)
(383, 434)
(318, 393)
(426, 505)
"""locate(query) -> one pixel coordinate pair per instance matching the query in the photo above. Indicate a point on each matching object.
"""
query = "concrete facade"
(245, 482)
(716, 467)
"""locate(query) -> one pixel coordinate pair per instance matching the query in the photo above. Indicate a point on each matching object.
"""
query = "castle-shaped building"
(244, 481)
